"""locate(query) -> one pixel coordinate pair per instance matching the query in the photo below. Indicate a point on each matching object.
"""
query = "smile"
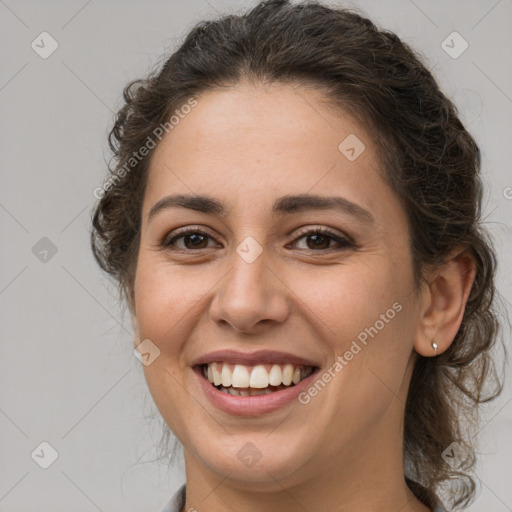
(261, 379)
(242, 399)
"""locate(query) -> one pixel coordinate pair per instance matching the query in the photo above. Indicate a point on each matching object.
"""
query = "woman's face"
(254, 282)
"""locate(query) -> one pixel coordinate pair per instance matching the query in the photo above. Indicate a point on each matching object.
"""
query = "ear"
(443, 301)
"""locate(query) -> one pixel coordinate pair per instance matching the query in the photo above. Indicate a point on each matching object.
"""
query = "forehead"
(266, 142)
(254, 122)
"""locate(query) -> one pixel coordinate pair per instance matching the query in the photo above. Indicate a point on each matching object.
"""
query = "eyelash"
(344, 243)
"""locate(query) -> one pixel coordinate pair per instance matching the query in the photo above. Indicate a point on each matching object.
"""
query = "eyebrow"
(283, 205)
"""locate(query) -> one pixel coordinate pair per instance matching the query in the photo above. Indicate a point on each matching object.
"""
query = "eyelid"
(323, 230)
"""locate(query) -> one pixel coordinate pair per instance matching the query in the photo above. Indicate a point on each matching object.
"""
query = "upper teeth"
(259, 376)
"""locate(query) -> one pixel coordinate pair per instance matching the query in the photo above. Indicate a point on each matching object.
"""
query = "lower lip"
(252, 405)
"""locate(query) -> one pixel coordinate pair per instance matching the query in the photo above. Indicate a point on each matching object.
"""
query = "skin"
(247, 146)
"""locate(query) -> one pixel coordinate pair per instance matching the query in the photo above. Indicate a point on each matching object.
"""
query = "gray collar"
(177, 502)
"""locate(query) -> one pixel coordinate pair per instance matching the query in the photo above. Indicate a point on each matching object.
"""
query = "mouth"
(260, 379)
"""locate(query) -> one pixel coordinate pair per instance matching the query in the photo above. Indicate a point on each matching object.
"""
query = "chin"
(255, 460)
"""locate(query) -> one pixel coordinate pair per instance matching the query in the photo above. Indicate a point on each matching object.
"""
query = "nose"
(250, 296)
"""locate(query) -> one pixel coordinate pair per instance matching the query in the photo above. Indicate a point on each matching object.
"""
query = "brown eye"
(320, 240)
(317, 240)
(192, 239)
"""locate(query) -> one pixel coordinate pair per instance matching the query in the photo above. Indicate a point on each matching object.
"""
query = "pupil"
(316, 237)
(194, 238)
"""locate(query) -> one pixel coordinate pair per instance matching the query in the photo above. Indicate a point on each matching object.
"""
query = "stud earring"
(434, 346)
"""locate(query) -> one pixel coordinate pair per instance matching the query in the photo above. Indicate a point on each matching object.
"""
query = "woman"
(293, 219)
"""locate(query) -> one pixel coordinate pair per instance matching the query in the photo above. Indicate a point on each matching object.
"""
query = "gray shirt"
(178, 502)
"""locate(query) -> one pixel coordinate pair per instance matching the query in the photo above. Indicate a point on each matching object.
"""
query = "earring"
(434, 346)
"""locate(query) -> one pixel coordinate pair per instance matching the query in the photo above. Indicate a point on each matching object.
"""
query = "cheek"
(165, 299)
(367, 320)
(166, 302)
(345, 300)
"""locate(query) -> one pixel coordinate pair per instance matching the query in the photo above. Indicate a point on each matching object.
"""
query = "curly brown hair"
(429, 159)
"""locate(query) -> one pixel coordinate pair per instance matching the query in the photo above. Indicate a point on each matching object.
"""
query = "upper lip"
(253, 358)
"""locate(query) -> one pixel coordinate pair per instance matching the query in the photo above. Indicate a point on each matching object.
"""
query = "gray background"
(68, 374)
